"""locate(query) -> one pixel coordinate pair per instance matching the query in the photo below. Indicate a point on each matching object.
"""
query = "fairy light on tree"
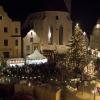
(77, 54)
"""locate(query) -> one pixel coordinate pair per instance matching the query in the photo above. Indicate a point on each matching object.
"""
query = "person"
(77, 85)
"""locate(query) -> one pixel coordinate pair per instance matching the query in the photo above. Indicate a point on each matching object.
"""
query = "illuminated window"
(61, 35)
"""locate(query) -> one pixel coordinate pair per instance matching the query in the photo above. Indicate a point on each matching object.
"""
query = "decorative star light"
(84, 33)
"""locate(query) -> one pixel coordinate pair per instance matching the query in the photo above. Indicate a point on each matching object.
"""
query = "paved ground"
(84, 93)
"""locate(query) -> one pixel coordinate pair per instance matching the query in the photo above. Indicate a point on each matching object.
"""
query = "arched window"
(61, 35)
(50, 35)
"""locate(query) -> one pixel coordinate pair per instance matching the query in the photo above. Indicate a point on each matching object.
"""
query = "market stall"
(36, 58)
(15, 61)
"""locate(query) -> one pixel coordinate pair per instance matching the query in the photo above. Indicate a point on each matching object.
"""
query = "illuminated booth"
(36, 58)
(15, 61)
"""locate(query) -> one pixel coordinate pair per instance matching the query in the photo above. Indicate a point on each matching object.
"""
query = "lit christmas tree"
(77, 55)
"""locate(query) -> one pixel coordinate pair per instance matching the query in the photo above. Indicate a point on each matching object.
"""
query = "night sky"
(85, 12)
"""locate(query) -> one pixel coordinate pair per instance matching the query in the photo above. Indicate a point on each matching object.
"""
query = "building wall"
(30, 42)
(9, 30)
(44, 21)
(94, 38)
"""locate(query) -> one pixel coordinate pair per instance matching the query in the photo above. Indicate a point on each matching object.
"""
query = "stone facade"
(30, 42)
(10, 39)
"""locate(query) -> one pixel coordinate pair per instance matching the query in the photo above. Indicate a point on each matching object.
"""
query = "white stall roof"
(36, 58)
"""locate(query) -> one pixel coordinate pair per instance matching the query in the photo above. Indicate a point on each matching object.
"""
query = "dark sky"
(85, 12)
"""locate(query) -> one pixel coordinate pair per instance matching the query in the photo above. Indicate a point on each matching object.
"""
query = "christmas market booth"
(15, 62)
(36, 58)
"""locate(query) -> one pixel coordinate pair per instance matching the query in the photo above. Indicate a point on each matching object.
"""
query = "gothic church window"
(50, 35)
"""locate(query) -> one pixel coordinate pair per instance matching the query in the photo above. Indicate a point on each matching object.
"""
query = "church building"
(52, 26)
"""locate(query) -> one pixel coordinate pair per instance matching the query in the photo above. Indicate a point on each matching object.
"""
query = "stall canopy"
(36, 58)
(15, 61)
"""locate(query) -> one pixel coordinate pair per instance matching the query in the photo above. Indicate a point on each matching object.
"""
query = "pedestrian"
(77, 85)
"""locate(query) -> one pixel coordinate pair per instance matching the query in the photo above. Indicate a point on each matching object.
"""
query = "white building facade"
(10, 39)
(31, 41)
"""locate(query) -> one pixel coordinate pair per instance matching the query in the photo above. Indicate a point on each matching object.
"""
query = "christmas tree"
(76, 58)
